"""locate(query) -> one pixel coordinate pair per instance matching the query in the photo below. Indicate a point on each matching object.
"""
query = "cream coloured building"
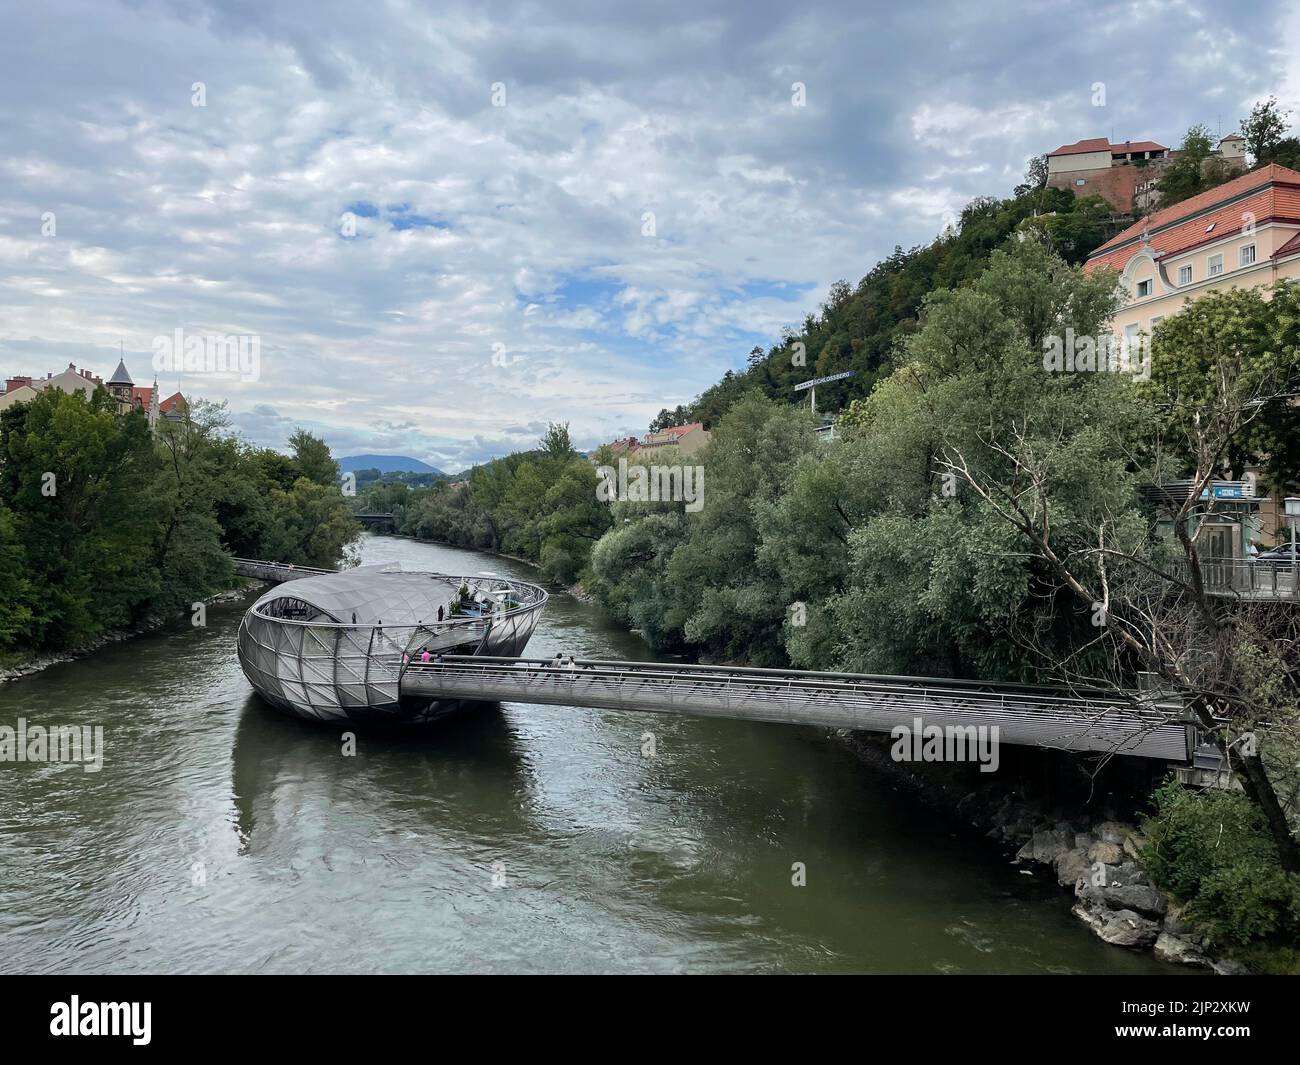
(1242, 234)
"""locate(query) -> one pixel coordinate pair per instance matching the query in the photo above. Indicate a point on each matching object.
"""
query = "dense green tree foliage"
(1194, 170)
(1264, 130)
(1250, 340)
(105, 523)
(539, 505)
(1212, 850)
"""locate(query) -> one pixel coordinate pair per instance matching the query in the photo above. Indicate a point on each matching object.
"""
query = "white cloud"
(520, 226)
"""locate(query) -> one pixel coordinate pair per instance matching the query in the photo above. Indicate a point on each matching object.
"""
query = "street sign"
(822, 380)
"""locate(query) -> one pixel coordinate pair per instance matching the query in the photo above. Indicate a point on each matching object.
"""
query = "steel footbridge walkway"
(1137, 724)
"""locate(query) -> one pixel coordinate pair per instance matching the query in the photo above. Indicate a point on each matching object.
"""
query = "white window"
(1156, 321)
(1080, 181)
(1184, 275)
(1216, 265)
(1144, 288)
(1246, 255)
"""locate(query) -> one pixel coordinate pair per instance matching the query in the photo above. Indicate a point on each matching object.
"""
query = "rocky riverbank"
(26, 667)
(1094, 855)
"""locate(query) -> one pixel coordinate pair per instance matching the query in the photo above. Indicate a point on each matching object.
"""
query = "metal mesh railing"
(1138, 723)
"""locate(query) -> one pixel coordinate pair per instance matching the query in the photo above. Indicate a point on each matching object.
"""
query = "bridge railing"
(1131, 722)
(261, 569)
(1243, 578)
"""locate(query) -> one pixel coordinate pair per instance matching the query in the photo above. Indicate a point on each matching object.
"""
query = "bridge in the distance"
(1138, 724)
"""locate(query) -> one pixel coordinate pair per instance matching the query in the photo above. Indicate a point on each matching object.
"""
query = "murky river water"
(223, 837)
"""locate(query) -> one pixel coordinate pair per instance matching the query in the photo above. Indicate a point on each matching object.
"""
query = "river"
(221, 836)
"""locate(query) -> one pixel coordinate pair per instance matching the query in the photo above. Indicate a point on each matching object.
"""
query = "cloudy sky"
(447, 227)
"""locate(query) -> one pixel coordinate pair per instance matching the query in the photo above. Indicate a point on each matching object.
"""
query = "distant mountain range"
(386, 464)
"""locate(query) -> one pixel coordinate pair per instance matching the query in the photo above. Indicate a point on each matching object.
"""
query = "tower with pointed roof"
(120, 386)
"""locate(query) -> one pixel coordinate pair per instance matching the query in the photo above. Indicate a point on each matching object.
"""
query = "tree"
(1263, 129)
(15, 587)
(1186, 175)
(557, 444)
(1035, 176)
(312, 458)
(77, 478)
(935, 582)
(1231, 669)
(1248, 341)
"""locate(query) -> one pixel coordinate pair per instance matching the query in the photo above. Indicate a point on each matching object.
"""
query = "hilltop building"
(1125, 174)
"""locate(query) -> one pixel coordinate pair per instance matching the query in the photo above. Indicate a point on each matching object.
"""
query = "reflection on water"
(224, 836)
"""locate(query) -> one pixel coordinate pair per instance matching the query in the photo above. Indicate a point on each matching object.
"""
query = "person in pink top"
(424, 655)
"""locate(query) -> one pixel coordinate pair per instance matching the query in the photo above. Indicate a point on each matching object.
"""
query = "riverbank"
(1094, 854)
(20, 665)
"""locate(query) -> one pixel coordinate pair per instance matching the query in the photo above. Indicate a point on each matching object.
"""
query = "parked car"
(1277, 556)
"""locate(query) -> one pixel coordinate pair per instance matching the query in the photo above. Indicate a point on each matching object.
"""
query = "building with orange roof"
(120, 386)
(1125, 173)
(1244, 233)
(687, 439)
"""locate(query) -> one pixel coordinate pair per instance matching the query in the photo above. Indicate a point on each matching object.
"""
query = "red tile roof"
(141, 396)
(174, 400)
(1102, 144)
(1096, 144)
(1269, 194)
(681, 430)
(1291, 247)
(1138, 146)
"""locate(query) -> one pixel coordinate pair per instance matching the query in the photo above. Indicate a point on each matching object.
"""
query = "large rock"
(1106, 853)
(1128, 929)
(1126, 873)
(1177, 925)
(1047, 846)
(1179, 951)
(1071, 866)
(1141, 897)
(1113, 832)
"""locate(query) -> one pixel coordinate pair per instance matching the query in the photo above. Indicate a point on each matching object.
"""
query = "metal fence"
(1243, 578)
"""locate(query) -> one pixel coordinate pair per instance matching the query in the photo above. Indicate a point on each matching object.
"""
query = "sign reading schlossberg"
(822, 380)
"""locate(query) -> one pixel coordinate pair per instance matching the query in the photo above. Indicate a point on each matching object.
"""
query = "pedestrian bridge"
(274, 572)
(1138, 724)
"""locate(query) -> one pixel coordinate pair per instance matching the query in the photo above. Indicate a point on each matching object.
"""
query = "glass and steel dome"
(333, 647)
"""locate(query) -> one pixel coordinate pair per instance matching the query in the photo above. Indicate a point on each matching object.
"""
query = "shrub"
(1212, 850)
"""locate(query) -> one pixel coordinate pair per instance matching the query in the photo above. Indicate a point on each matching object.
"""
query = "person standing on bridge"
(424, 656)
